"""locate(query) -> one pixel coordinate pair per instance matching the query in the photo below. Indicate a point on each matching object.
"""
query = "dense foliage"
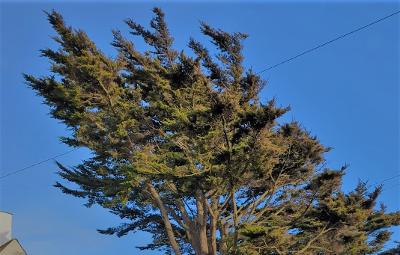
(184, 149)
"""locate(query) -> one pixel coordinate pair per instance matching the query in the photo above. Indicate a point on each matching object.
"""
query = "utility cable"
(36, 164)
(329, 42)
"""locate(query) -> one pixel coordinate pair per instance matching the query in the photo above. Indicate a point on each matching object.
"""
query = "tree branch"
(164, 214)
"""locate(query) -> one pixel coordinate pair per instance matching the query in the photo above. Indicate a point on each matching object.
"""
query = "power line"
(328, 42)
(390, 178)
(384, 180)
(36, 164)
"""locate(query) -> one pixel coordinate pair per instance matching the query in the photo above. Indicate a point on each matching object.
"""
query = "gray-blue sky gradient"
(347, 94)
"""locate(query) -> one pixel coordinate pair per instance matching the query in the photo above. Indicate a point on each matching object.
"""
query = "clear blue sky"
(347, 94)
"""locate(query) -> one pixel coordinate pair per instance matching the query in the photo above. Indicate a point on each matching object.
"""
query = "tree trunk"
(223, 248)
(202, 222)
(213, 227)
(235, 222)
(164, 214)
(213, 235)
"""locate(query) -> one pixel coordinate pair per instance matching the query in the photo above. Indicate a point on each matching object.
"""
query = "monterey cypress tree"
(184, 149)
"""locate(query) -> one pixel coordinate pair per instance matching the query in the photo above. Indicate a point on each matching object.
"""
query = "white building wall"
(5, 227)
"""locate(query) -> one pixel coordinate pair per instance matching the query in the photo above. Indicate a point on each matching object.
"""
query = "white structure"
(5, 227)
(8, 246)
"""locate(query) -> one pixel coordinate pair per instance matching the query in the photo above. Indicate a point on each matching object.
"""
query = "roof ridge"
(2, 247)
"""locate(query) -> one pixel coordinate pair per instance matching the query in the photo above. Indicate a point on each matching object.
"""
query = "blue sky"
(347, 94)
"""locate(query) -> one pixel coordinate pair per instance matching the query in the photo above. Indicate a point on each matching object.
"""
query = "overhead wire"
(328, 42)
(35, 164)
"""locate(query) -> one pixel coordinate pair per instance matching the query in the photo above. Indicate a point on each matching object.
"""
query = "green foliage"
(184, 149)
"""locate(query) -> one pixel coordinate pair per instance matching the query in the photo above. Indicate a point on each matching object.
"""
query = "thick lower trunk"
(190, 228)
(213, 236)
(194, 239)
(223, 248)
(164, 214)
(202, 223)
(213, 227)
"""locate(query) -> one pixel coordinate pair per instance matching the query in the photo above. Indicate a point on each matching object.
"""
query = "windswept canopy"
(184, 149)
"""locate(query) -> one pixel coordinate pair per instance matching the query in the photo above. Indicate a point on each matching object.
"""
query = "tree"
(184, 149)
